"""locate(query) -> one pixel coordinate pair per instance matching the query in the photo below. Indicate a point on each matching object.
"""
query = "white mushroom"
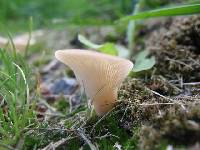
(101, 75)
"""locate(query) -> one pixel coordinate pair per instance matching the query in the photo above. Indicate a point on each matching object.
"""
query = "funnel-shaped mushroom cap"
(99, 74)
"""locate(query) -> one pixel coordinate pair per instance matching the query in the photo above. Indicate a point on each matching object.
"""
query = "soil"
(165, 104)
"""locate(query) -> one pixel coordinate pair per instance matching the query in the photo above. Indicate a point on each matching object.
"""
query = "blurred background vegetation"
(14, 14)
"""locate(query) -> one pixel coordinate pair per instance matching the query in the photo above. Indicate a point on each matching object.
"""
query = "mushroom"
(100, 74)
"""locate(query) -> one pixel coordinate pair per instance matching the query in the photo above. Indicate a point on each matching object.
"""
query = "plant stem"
(131, 27)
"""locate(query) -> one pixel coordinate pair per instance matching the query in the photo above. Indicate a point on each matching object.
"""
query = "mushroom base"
(104, 102)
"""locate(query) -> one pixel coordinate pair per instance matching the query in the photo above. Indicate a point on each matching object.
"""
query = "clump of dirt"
(177, 49)
(176, 121)
(176, 126)
(136, 98)
(174, 43)
(165, 103)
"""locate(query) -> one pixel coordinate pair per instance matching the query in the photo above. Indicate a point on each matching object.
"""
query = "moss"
(108, 131)
(136, 96)
(176, 48)
(174, 44)
(162, 86)
(176, 126)
(62, 105)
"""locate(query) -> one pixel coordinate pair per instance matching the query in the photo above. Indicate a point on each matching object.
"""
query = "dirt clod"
(165, 105)
(177, 49)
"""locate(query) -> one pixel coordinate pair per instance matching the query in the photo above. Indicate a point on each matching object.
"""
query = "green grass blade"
(13, 114)
(30, 36)
(13, 45)
(171, 11)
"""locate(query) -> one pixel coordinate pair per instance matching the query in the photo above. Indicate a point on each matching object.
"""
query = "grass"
(15, 113)
(171, 11)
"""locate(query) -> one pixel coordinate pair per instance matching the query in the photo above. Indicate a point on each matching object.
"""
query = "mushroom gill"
(101, 75)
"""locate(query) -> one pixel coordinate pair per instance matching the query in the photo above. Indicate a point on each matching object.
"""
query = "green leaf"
(171, 11)
(142, 62)
(107, 48)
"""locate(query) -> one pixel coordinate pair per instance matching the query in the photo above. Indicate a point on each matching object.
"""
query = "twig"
(152, 104)
(156, 93)
(180, 62)
(181, 82)
(106, 135)
(195, 61)
(51, 114)
(52, 110)
(192, 83)
(171, 84)
(53, 146)
(50, 129)
(92, 146)
(124, 114)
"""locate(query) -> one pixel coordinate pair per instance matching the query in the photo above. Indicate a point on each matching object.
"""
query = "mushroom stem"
(105, 101)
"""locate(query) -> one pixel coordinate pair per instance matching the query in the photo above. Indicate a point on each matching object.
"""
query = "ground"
(156, 109)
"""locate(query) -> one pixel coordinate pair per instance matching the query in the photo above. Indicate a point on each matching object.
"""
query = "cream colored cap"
(100, 74)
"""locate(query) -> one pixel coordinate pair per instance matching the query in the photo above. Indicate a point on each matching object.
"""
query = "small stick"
(51, 114)
(124, 114)
(192, 83)
(156, 93)
(152, 104)
(53, 146)
(106, 135)
(92, 146)
(180, 62)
